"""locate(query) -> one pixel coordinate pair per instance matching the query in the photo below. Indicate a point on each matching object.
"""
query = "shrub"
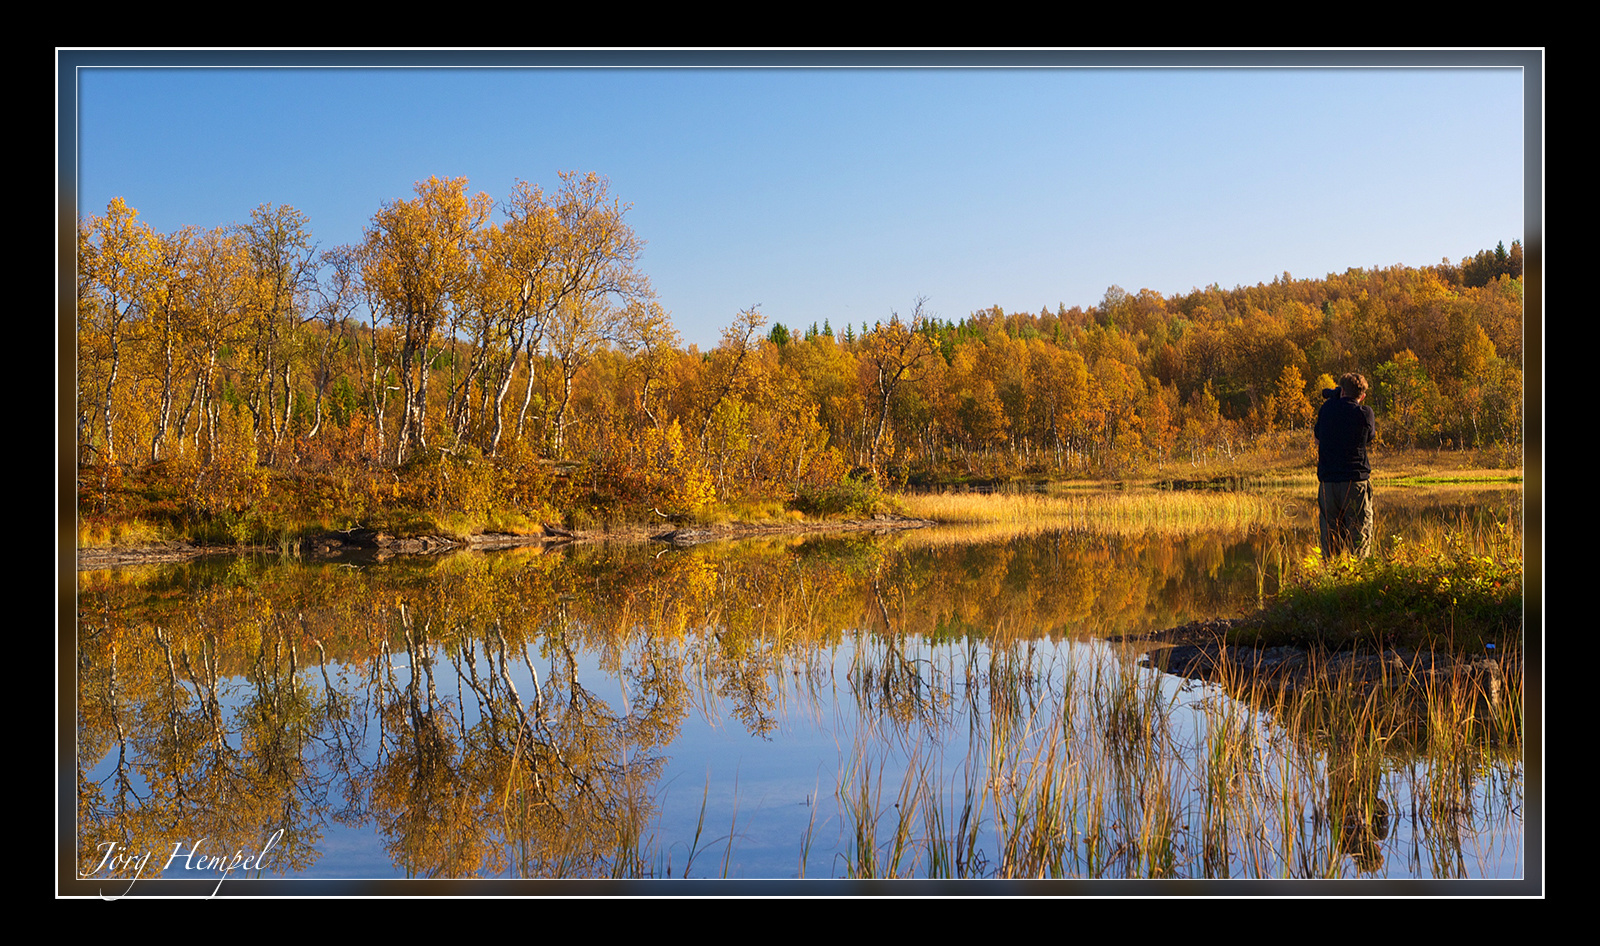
(847, 498)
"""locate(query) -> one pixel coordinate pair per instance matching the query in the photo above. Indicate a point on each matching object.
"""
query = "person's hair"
(1353, 384)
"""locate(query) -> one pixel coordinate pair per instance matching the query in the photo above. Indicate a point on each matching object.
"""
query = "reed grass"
(696, 848)
(1115, 512)
(1108, 775)
(132, 532)
(872, 852)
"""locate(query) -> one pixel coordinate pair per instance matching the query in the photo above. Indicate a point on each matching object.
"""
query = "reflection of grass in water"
(1110, 777)
(1101, 774)
(1121, 511)
(1092, 776)
(1330, 755)
(1086, 786)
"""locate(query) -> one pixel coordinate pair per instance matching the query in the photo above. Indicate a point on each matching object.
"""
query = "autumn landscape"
(516, 370)
(470, 531)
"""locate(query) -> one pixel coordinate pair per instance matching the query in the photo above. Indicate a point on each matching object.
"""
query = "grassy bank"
(465, 494)
(452, 496)
(1458, 590)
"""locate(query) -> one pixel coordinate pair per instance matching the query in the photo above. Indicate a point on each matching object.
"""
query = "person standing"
(1345, 429)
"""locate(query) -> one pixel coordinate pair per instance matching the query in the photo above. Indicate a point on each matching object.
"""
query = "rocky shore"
(1201, 651)
(371, 545)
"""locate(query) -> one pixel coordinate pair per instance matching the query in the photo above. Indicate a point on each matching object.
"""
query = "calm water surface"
(909, 705)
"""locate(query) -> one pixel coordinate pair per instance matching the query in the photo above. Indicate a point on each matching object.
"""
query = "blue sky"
(845, 193)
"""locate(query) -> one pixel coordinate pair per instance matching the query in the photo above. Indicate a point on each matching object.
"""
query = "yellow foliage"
(672, 474)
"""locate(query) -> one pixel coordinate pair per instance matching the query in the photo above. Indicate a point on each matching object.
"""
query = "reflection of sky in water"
(807, 756)
(770, 791)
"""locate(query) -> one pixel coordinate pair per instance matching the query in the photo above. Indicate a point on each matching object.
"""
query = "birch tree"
(416, 264)
(282, 258)
(116, 266)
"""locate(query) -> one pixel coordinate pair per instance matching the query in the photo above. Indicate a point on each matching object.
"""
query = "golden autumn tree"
(892, 356)
(116, 266)
(518, 277)
(649, 337)
(560, 275)
(1118, 390)
(788, 444)
(337, 296)
(282, 269)
(580, 328)
(972, 407)
(727, 369)
(1057, 383)
(416, 265)
(166, 313)
(1292, 409)
(219, 290)
(827, 371)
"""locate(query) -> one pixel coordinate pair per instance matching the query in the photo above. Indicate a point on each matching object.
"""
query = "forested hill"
(523, 337)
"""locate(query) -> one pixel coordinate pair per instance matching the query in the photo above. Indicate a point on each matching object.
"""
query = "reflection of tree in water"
(278, 721)
(503, 715)
(558, 784)
(213, 725)
(188, 771)
(218, 723)
(888, 682)
(741, 669)
(419, 793)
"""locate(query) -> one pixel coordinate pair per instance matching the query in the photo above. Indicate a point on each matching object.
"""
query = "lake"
(936, 703)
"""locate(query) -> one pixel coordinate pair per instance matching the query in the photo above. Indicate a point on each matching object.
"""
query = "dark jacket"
(1345, 429)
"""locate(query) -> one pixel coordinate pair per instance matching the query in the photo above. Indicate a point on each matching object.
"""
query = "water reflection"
(858, 706)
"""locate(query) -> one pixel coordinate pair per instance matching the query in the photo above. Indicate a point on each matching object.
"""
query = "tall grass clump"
(884, 843)
(1445, 592)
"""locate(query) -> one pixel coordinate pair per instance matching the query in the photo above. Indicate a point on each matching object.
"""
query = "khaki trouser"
(1346, 518)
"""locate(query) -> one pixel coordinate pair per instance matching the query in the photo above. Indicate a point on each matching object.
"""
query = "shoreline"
(1200, 651)
(335, 546)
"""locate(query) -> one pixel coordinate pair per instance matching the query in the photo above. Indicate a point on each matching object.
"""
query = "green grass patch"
(1422, 596)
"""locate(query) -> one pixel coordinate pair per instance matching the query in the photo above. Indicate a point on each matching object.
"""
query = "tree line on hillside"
(523, 333)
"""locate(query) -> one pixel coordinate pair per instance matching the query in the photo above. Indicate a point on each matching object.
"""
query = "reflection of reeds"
(1070, 766)
(1106, 774)
(1068, 790)
(1339, 735)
